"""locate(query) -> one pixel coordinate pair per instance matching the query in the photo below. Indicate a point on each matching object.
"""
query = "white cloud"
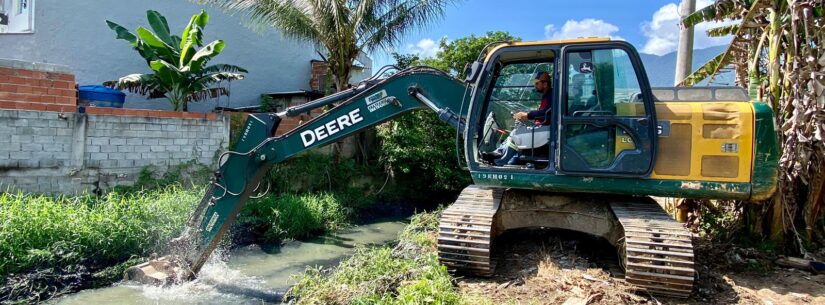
(424, 48)
(662, 31)
(585, 28)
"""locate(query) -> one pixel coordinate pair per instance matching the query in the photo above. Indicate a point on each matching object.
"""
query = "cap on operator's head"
(541, 76)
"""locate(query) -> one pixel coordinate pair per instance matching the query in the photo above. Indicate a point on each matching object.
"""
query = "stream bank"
(247, 275)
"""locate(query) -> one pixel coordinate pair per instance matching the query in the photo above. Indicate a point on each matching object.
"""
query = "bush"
(421, 152)
(313, 172)
(278, 217)
(42, 232)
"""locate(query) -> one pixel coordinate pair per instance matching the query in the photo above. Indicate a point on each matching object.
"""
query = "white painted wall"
(74, 33)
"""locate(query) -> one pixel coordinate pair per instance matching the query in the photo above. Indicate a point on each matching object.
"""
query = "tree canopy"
(456, 53)
(342, 29)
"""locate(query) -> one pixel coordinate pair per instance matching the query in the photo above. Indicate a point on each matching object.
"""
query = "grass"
(288, 216)
(43, 232)
(408, 273)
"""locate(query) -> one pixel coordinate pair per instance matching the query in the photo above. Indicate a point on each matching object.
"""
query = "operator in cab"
(507, 153)
(541, 115)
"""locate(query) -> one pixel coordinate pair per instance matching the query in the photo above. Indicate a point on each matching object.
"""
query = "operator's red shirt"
(542, 114)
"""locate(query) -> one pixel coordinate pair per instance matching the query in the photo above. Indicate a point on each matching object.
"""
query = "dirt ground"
(560, 267)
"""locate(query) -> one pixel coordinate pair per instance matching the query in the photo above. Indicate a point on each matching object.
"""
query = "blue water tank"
(100, 96)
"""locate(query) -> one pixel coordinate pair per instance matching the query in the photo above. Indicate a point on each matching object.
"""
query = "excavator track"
(657, 251)
(465, 231)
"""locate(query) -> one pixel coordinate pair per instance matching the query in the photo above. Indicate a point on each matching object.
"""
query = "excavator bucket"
(161, 271)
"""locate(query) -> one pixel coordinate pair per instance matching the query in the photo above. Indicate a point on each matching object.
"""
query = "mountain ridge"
(661, 69)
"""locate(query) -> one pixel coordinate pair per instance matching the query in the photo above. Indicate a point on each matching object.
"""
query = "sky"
(650, 25)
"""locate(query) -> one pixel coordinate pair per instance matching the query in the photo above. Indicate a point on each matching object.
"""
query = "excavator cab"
(602, 119)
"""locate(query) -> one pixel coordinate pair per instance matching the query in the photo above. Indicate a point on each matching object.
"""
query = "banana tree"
(179, 63)
(776, 49)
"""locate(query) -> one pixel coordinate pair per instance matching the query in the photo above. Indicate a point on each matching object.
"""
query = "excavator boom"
(242, 171)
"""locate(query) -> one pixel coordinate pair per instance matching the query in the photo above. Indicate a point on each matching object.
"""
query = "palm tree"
(776, 50)
(341, 28)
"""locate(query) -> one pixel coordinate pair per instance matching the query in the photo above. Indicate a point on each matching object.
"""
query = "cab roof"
(544, 42)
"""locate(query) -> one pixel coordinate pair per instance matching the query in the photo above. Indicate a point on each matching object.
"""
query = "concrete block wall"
(52, 146)
(133, 142)
(54, 152)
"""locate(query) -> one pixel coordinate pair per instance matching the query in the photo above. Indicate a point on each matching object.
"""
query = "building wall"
(54, 152)
(49, 145)
(75, 34)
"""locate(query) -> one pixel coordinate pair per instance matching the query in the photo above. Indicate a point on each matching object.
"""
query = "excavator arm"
(241, 172)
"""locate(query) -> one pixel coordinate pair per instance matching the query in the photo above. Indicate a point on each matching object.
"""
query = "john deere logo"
(586, 67)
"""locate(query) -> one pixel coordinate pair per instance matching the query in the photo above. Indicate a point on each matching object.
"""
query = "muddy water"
(250, 275)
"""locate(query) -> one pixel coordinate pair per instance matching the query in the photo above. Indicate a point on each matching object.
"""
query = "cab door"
(607, 117)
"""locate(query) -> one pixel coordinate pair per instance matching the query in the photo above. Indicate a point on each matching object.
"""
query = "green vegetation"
(419, 149)
(152, 178)
(776, 54)
(454, 55)
(60, 244)
(289, 216)
(409, 273)
(312, 194)
(56, 232)
(313, 172)
(343, 29)
(179, 63)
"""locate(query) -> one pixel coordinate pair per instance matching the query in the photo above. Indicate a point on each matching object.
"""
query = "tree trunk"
(362, 142)
(814, 204)
(773, 57)
(176, 101)
(777, 224)
(342, 76)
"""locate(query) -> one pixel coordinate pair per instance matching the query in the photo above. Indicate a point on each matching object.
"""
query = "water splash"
(217, 283)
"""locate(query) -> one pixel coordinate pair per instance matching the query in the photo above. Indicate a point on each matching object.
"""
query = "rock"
(734, 259)
(528, 271)
(793, 262)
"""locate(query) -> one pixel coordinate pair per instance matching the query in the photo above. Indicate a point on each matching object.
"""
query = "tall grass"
(287, 216)
(406, 274)
(40, 231)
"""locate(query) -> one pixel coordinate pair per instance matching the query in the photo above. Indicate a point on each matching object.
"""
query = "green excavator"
(610, 142)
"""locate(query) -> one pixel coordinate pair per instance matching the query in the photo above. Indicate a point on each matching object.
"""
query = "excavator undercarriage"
(655, 251)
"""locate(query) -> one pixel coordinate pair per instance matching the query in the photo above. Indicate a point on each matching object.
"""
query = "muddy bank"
(554, 267)
(536, 266)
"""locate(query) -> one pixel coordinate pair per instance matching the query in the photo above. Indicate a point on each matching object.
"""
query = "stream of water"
(251, 275)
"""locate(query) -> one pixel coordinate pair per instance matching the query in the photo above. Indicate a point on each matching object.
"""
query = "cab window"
(503, 140)
(514, 91)
(600, 83)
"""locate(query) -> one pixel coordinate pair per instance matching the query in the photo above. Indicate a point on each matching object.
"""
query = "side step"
(465, 231)
(657, 251)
